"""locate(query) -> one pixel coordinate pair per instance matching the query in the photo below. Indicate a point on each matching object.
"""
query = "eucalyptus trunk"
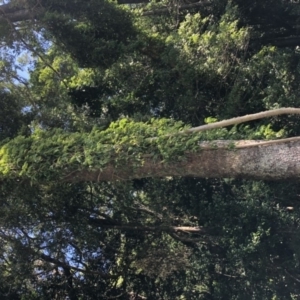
(263, 160)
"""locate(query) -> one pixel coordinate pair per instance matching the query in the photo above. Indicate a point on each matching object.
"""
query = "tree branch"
(64, 265)
(243, 119)
(269, 160)
(138, 227)
(21, 11)
(165, 10)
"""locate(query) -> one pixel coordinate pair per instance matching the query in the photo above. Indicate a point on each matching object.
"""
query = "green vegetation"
(110, 87)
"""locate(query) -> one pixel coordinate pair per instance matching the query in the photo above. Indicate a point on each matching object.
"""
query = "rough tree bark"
(264, 160)
(272, 160)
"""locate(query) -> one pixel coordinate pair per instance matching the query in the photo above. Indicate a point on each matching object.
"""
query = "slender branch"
(239, 120)
(29, 47)
(27, 89)
(243, 119)
(50, 259)
(149, 211)
(59, 263)
(163, 228)
(165, 10)
(230, 276)
(292, 276)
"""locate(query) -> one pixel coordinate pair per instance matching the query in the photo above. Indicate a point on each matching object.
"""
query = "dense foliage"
(110, 83)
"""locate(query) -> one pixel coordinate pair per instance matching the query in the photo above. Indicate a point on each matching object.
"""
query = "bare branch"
(292, 276)
(166, 10)
(138, 227)
(149, 211)
(243, 119)
(238, 120)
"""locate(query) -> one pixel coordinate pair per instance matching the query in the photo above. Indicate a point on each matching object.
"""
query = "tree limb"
(243, 119)
(165, 10)
(138, 227)
(270, 160)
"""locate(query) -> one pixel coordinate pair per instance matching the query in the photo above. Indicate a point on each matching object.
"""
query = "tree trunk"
(262, 160)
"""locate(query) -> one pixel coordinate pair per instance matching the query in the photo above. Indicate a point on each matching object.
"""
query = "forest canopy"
(119, 177)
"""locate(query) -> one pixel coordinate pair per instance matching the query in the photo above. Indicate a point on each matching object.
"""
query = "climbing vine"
(50, 154)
